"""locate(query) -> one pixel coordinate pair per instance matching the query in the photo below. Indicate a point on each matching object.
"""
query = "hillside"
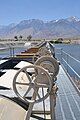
(66, 28)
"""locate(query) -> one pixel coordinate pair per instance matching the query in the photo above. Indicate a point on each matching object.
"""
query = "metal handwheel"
(44, 51)
(29, 81)
(49, 63)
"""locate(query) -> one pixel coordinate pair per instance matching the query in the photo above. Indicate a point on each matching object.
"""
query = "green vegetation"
(20, 37)
(29, 37)
(61, 40)
(16, 38)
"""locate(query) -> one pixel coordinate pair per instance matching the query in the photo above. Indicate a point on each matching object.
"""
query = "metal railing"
(71, 65)
(10, 51)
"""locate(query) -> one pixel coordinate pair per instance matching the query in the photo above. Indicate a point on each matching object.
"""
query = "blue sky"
(13, 11)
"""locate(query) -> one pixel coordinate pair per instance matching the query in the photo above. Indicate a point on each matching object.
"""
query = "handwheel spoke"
(29, 88)
(22, 83)
(37, 94)
(43, 85)
(28, 76)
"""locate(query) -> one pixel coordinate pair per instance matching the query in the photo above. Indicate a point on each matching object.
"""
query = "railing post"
(10, 51)
(13, 51)
(61, 54)
(67, 62)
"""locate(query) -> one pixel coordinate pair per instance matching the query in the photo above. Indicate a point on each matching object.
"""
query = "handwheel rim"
(52, 60)
(36, 100)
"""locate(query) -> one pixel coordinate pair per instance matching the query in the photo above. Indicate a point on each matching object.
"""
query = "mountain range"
(65, 28)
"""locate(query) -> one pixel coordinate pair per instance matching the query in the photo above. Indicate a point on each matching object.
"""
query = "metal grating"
(68, 100)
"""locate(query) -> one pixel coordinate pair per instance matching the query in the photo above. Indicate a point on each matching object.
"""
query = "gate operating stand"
(37, 82)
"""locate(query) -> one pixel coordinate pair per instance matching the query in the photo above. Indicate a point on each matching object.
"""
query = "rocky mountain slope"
(66, 28)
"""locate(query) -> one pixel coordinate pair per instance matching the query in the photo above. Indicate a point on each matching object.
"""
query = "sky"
(14, 11)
